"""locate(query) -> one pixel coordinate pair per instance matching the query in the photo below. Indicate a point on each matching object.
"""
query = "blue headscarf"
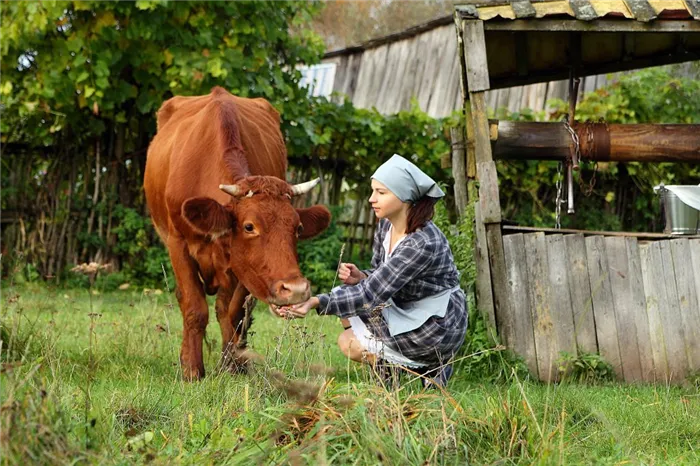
(408, 182)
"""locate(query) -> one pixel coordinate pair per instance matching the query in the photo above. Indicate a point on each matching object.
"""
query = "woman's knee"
(349, 345)
(344, 340)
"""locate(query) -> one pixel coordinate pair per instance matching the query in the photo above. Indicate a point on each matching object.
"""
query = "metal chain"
(560, 167)
(559, 201)
(588, 190)
(574, 137)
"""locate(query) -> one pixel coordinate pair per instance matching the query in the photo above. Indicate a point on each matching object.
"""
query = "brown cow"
(215, 189)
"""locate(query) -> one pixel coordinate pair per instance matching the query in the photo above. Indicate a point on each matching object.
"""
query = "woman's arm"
(406, 263)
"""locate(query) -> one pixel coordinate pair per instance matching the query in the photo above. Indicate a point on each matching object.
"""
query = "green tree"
(81, 81)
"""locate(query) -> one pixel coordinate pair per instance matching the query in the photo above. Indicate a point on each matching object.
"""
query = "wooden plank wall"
(426, 66)
(637, 303)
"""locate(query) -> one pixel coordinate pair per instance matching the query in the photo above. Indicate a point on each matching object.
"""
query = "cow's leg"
(193, 305)
(223, 301)
(234, 328)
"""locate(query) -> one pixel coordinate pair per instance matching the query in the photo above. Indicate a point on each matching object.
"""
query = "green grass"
(99, 383)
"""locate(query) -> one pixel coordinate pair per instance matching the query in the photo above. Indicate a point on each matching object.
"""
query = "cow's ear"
(206, 216)
(315, 220)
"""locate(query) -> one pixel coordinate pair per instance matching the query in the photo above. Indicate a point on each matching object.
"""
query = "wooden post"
(484, 293)
(459, 169)
(472, 184)
(478, 126)
(367, 237)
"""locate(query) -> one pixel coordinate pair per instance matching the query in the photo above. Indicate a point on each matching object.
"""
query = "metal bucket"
(680, 218)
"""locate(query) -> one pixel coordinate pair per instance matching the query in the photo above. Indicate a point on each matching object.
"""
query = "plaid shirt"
(421, 265)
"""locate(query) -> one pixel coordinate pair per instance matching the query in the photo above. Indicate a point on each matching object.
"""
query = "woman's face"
(385, 203)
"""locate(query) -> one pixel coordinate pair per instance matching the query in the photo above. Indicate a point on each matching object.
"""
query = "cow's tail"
(230, 135)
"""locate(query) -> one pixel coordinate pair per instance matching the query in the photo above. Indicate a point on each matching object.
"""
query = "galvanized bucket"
(680, 218)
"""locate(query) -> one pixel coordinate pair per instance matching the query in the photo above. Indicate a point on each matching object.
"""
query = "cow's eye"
(300, 230)
(249, 227)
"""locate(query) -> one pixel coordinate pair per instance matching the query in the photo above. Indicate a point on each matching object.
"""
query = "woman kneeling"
(408, 309)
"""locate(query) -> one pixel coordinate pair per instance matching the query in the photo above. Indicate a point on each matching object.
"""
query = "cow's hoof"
(192, 374)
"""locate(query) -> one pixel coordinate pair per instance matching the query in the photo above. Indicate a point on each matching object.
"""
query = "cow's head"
(261, 229)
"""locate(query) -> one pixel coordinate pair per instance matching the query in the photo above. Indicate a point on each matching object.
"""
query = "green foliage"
(694, 379)
(653, 95)
(585, 368)
(480, 360)
(359, 140)
(72, 67)
(26, 273)
(75, 280)
(81, 81)
(461, 239)
(144, 256)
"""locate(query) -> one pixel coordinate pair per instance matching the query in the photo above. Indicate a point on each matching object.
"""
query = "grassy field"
(95, 380)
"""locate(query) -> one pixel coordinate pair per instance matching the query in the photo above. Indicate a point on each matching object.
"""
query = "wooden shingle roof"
(586, 10)
(531, 41)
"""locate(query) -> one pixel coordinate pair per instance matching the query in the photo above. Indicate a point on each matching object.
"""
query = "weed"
(584, 368)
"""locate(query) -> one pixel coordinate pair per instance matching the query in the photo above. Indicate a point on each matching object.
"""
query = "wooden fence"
(633, 300)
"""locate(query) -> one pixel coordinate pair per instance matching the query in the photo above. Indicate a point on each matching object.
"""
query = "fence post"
(459, 169)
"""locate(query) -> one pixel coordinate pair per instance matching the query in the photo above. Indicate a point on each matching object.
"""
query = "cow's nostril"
(292, 291)
(296, 286)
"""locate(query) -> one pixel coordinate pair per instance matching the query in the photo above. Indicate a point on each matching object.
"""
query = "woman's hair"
(420, 213)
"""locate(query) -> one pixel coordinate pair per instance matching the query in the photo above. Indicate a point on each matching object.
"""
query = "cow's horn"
(231, 189)
(303, 188)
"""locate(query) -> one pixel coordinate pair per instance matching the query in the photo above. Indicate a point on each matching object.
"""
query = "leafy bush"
(461, 239)
(111, 281)
(142, 253)
(356, 141)
(24, 272)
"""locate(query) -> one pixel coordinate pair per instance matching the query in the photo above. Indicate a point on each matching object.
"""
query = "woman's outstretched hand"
(350, 274)
(297, 310)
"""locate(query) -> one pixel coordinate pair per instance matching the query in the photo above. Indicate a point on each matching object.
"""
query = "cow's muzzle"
(292, 291)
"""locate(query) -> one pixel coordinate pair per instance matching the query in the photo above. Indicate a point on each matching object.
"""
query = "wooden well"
(633, 298)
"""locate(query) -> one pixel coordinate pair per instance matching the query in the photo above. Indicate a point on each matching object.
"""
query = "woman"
(408, 308)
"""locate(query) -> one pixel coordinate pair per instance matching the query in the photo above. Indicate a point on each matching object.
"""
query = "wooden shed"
(633, 298)
(422, 63)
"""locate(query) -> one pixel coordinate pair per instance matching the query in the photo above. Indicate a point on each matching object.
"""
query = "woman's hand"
(300, 310)
(350, 274)
(278, 311)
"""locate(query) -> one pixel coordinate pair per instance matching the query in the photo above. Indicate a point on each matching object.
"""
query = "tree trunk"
(95, 196)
